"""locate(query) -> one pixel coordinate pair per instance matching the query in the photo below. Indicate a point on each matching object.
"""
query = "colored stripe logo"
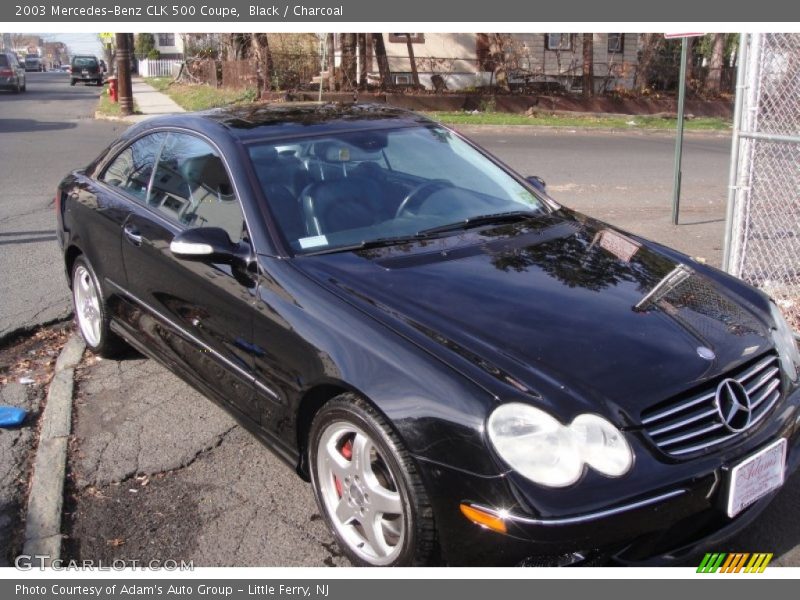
(735, 562)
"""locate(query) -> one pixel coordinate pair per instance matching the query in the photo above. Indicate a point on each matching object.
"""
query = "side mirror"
(208, 244)
(537, 182)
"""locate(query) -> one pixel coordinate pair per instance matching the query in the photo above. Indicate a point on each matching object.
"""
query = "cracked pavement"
(159, 472)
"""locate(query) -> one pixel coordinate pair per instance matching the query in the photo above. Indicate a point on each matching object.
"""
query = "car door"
(102, 204)
(196, 314)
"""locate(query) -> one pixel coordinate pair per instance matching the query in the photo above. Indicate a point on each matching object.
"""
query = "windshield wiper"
(376, 243)
(504, 217)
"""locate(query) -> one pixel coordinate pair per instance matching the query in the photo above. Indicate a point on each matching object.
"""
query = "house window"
(616, 43)
(166, 39)
(558, 41)
(401, 38)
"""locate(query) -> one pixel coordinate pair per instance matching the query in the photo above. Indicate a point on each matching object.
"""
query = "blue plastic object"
(11, 416)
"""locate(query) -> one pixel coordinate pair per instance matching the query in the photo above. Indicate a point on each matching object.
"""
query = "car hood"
(558, 307)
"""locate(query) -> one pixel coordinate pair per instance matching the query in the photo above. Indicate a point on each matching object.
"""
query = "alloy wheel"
(360, 493)
(87, 305)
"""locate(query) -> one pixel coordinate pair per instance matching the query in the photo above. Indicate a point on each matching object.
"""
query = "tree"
(651, 44)
(588, 65)
(348, 41)
(412, 61)
(383, 61)
(263, 58)
(714, 77)
(330, 52)
(237, 45)
(362, 53)
(144, 44)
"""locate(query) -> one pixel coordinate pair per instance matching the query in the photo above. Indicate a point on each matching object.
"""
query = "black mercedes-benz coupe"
(466, 371)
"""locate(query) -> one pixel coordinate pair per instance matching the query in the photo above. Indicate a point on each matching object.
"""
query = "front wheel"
(91, 311)
(367, 486)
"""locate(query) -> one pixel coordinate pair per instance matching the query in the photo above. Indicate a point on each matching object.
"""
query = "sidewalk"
(150, 102)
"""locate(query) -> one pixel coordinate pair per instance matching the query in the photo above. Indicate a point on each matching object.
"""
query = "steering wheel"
(420, 193)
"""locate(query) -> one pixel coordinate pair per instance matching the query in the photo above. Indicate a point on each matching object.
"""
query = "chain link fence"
(763, 235)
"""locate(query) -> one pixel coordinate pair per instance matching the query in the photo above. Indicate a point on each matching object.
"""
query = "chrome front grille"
(692, 424)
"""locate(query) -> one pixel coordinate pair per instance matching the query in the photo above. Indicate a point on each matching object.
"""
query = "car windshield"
(380, 186)
(3, 60)
(84, 62)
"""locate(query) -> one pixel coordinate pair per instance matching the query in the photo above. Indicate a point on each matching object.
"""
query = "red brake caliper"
(347, 452)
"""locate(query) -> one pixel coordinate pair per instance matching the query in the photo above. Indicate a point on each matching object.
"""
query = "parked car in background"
(85, 68)
(464, 369)
(12, 73)
(34, 62)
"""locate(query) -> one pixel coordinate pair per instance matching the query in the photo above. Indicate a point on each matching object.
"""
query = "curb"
(46, 496)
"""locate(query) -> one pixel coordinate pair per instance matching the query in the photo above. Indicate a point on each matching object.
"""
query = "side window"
(132, 168)
(191, 187)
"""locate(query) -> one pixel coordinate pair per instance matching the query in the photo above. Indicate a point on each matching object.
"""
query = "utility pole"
(124, 73)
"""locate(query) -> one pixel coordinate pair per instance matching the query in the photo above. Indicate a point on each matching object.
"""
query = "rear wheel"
(91, 311)
(367, 486)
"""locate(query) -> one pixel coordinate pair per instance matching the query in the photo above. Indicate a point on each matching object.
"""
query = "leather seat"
(331, 206)
(273, 168)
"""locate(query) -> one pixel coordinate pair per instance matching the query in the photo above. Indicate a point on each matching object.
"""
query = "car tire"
(17, 88)
(91, 311)
(351, 493)
(72, 82)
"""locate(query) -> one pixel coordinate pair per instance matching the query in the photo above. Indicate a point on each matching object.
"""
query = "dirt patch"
(30, 360)
(142, 519)
(27, 365)
(520, 103)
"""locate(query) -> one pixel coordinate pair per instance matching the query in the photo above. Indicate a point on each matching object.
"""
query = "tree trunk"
(362, 64)
(714, 76)
(349, 80)
(237, 46)
(263, 56)
(412, 61)
(330, 52)
(383, 61)
(650, 45)
(588, 65)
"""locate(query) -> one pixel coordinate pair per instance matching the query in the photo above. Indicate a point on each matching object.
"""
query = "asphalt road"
(46, 132)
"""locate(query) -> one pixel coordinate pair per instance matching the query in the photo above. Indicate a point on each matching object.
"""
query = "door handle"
(133, 235)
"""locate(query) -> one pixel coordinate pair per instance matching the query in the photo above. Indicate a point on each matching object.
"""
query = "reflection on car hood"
(562, 304)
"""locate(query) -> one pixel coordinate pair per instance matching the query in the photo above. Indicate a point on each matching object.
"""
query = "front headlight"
(785, 343)
(540, 448)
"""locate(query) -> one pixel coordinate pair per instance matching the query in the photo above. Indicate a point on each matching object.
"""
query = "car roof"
(269, 121)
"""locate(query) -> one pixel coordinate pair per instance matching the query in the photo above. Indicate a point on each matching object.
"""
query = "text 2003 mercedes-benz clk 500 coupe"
(465, 370)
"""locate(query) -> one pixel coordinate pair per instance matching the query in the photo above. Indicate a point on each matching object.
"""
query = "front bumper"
(660, 526)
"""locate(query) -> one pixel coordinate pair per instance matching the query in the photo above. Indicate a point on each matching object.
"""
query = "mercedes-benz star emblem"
(733, 405)
(706, 353)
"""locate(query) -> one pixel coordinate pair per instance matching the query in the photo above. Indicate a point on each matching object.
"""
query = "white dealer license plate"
(756, 476)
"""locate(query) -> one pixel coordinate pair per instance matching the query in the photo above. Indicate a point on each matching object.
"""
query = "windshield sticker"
(313, 242)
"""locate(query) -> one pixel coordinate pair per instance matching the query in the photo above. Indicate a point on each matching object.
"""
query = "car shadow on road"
(32, 125)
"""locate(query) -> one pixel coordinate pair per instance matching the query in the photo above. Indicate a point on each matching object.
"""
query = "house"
(169, 45)
(465, 60)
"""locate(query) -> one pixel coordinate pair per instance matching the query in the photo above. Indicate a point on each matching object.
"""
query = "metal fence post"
(741, 86)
